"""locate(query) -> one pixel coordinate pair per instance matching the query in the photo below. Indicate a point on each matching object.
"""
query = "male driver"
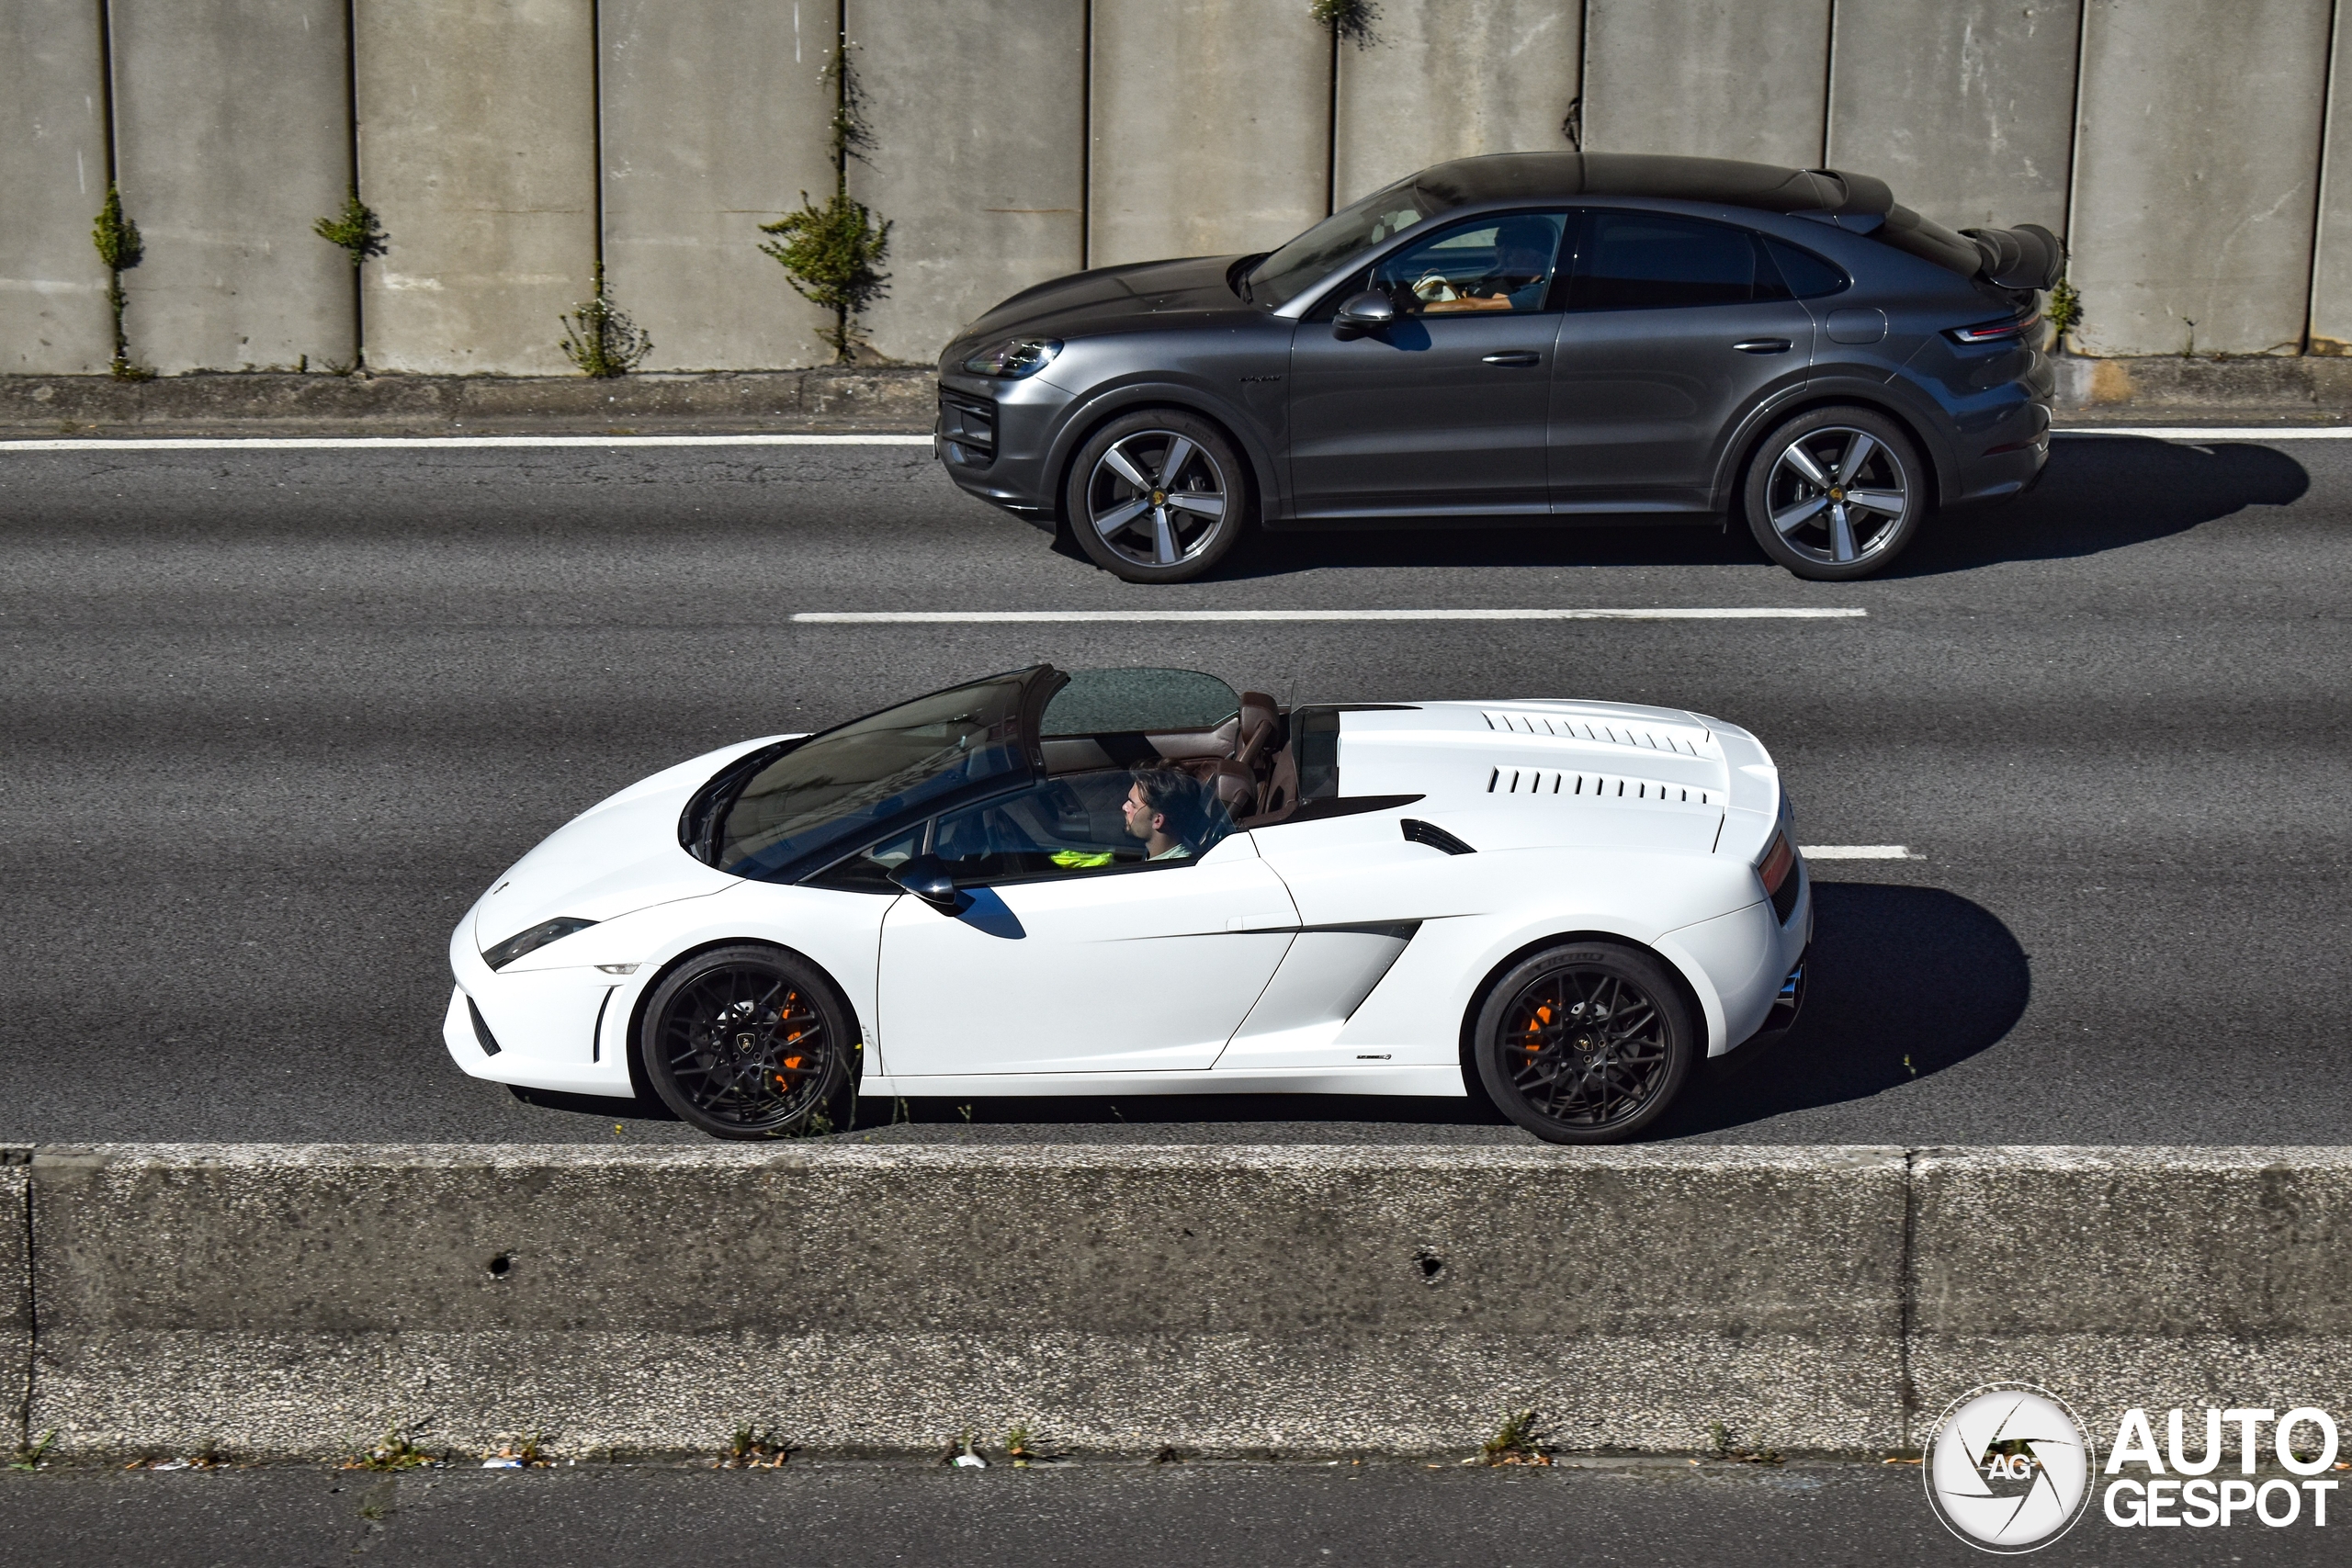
(1163, 809)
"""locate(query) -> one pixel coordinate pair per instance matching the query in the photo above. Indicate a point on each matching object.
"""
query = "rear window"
(1651, 260)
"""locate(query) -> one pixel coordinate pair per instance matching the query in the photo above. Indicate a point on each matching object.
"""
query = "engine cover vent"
(1600, 732)
(1566, 785)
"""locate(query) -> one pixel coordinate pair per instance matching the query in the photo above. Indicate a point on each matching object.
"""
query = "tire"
(1800, 505)
(1565, 1081)
(1141, 517)
(749, 1042)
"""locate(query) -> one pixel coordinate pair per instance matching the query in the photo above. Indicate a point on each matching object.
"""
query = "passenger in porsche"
(1163, 809)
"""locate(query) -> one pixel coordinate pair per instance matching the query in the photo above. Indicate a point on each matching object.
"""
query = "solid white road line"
(316, 443)
(2218, 431)
(872, 617)
(1857, 851)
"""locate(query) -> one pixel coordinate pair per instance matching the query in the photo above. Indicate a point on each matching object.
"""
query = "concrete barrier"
(477, 145)
(15, 1293)
(1211, 128)
(1966, 108)
(52, 177)
(1717, 78)
(233, 136)
(2135, 1277)
(1452, 81)
(978, 116)
(714, 123)
(2196, 168)
(286, 1301)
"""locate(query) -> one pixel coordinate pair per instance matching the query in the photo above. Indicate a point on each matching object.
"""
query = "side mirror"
(926, 877)
(1366, 312)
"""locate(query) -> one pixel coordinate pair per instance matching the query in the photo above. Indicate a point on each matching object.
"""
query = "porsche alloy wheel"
(1157, 497)
(747, 1042)
(1836, 494)
(1585, 1044)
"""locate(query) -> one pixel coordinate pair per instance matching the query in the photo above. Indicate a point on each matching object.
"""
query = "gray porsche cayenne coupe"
(1526, 335)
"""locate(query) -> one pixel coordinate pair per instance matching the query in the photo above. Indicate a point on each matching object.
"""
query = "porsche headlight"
(538, 936)
(1014, 357)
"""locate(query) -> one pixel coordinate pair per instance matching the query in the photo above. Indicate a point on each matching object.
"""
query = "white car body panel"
(1138, 971)
(1329, 954)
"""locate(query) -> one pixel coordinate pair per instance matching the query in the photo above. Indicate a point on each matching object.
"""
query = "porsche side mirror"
(926, 877)
(1361, 313)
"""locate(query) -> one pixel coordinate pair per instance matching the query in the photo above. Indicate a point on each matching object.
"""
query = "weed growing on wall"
(599, 338)
(2064, 311)
(1350, 21)
(355, 229)
(832, 254)
(117, 238)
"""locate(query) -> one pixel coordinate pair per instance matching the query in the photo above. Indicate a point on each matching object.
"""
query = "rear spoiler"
(2028, 256)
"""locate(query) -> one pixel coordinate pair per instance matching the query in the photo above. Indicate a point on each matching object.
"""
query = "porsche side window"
(1493, 264)
(1648, 261)
(1079, 824)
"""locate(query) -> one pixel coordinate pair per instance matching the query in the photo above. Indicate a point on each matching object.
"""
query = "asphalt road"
(273, 718)
(1184, 1515)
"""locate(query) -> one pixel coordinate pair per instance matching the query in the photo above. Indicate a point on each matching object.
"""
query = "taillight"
(1778, 870)
(1994, 331)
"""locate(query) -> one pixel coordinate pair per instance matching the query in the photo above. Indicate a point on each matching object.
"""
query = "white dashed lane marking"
(1761, 612)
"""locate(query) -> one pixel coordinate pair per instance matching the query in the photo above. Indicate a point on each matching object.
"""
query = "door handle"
(1520, 357)
(1764, 346)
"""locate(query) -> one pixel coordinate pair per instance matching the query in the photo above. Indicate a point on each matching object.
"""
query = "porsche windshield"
(1311, 257)
(826, 790)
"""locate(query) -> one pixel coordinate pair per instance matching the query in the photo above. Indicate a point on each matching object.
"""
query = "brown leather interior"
(1247, 758)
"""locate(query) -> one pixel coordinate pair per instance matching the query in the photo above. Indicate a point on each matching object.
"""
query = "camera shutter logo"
(2009, 1467)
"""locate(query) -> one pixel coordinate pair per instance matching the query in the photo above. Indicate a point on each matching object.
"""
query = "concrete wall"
(289, 1301)
(477, 145)
(52, 179)
(1717, 78)
(1212, 127)
(978, 115)
(2196, 170)
(1965, 108)
(232, 135)
(715, 122)
(2330, 322)
(2179, 147)
(1452, 80)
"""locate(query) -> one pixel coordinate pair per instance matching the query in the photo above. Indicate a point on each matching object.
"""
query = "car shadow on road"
(2107, 493)
(2099, 494)
(1901, 984)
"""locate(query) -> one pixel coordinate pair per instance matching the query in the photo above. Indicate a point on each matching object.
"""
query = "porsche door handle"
(1522, 358)
(1764, 346)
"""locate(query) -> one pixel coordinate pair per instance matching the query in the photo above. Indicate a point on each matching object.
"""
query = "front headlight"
(538, 936)
(1014, 357)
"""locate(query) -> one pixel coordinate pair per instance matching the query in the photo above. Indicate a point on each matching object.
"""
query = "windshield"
(1315, 254)
(1111, 702)
(868, 772)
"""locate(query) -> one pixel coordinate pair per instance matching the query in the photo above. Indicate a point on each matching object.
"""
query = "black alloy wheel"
(1836, 493)
(747, 1042)
(1158, 496)
(1585, 1043)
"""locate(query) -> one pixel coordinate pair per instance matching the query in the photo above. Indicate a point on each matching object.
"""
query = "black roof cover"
(1768, 187)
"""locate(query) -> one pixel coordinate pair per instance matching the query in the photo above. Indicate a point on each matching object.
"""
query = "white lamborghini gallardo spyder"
(1125, 881)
